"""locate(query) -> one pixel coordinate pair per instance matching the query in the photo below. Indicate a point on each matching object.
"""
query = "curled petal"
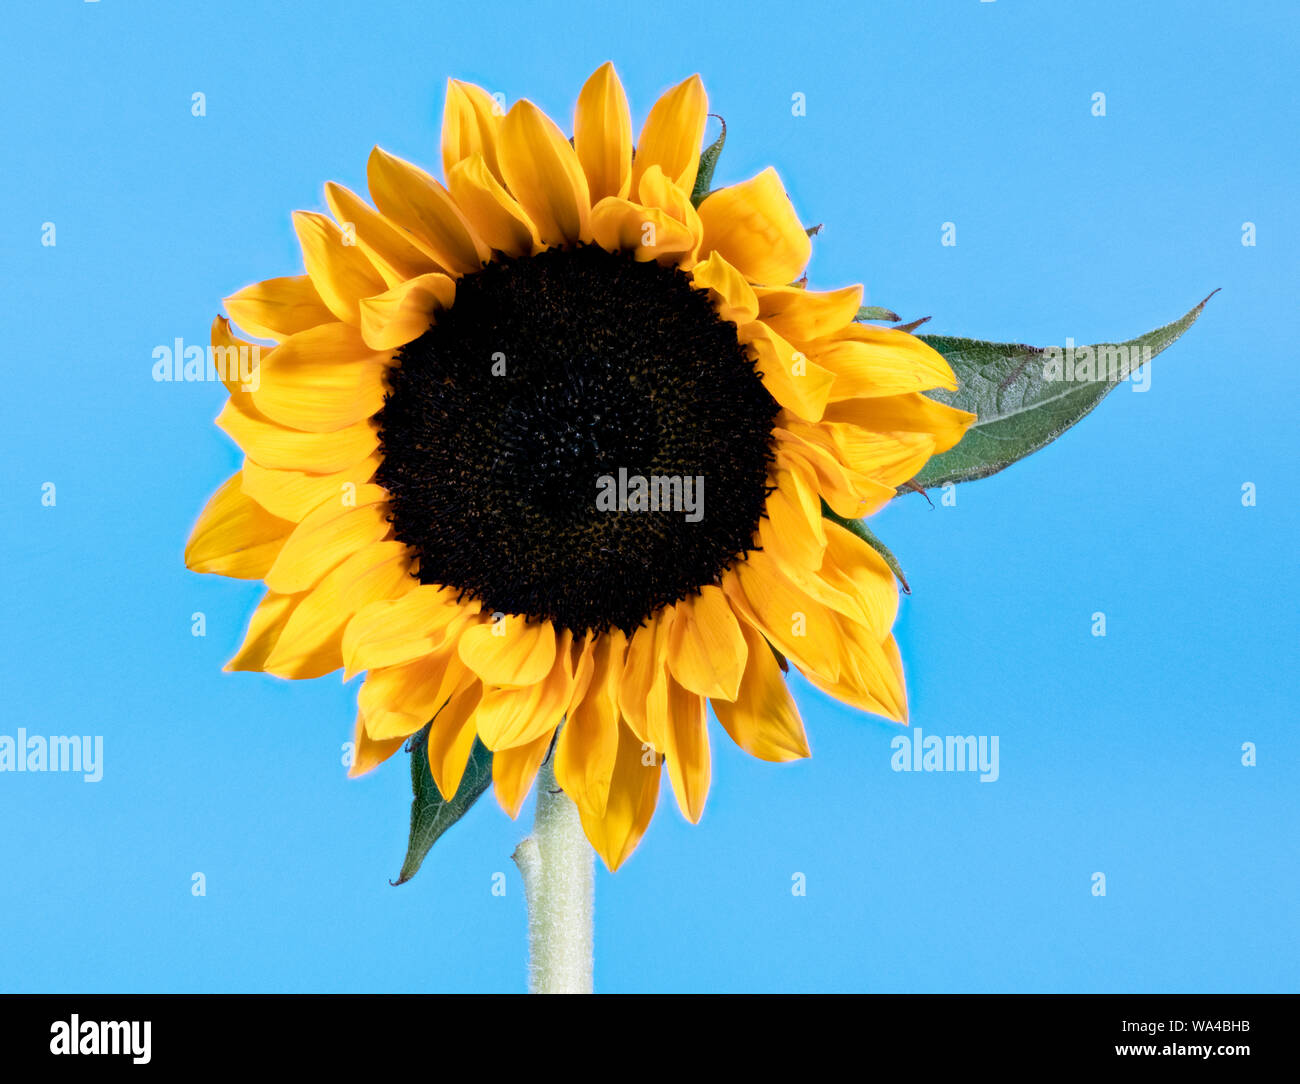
(754, 226)
(278, 308)
(649, 233)
(397, 316)
(733, 297)
(801, 315)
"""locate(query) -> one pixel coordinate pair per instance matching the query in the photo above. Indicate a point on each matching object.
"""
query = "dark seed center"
(530, 433)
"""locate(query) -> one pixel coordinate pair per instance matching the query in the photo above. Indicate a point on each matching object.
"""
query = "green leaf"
(1019, 407)
(875, 312)
(431, 814)
(708, 162)
(859, 527)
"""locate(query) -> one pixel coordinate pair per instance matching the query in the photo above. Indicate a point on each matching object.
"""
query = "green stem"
(558, 867)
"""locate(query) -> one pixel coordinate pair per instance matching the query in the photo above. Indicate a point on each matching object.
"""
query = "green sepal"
(875, 312)
(431, 813)
(708, 162)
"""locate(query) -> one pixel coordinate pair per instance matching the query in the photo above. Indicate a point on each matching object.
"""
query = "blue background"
(1119, 755)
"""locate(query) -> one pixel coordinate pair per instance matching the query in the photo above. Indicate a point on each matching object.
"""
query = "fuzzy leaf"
(1019, 407)
(431, 814)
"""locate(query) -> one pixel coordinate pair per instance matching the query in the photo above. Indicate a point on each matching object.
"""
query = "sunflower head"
(544, 446)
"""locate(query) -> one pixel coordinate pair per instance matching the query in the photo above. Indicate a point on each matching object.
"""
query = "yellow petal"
(588, 743)
(312, 640)
(510, 650)
(644, 669)
(234, 535)
(415, 201)
(390, 250)
(292, 494)
(807, 314)
(912, 413)
(673, 133)
(405, 312)
(399, 700)
(657, 191)
(278, 308)
(849, 493)
(583, 650)
(889, 458)
(754, 226)
(495, 214)
(797, 383)
(791, 528)
(889, 362)
(511, 716)
(706, 651)
(870, 678)
(800, 627)
(451, 740)
(543, 173)
(837, 595)
(235, 360)
(264, 630)
(471, 125)
(513, 772)
(633, 792)
(340, 272)
(368, 754)
(733, 297)
(602, 135)
(646, 232)
(763, 720)
(270, 444)
(853, 566)
(395, 631)
(321, 380)
(687, 750)
(326, 537)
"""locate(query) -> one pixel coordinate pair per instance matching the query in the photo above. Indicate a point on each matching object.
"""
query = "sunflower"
(544, 448)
